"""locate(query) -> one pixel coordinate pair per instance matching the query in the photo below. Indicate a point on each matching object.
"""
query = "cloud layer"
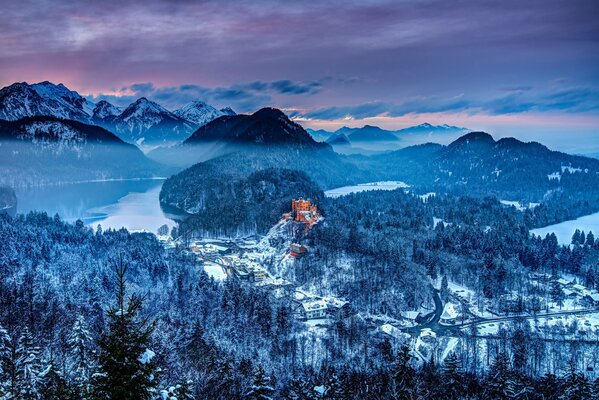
(323, 60)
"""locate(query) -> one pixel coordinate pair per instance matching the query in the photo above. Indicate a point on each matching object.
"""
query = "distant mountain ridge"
(369, 133)
(370, 139)
(477, 164)
(46, 150)
(143, 122)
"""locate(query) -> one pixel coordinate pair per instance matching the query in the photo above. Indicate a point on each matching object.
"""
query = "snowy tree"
(452, 382)
(299, 389)
(576, 386)
(262, 387)
(54, 385)
(403, 375)
(126, 364)
(82, 360)
(29, 367)
(498, 384)
(7, 367)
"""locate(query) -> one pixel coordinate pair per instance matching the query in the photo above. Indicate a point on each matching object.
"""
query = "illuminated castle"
(304, 211)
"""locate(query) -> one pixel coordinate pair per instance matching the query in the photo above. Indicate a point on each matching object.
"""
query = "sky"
(528, 69)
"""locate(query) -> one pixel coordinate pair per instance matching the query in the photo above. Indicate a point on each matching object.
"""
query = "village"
(245, 260)
(432, 330)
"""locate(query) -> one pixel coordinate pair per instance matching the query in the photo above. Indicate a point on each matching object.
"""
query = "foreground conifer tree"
(126, 367)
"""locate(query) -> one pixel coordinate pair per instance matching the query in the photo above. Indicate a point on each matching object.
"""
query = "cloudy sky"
(528, 69)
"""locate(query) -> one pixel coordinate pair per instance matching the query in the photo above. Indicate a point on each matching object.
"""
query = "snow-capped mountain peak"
(228, 111)
(198, 112)
(143, 107)
(45, 98)
(105, 110)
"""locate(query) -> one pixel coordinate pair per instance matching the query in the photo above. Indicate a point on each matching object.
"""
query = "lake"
(565, 230)
(133, 204)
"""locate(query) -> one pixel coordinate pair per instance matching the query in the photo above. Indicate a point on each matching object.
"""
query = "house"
(410, 315)
(450, 314)
(297, 250)
(570, 294)
(314, 309)
(338, 308)
(564, 282)
(592, 299)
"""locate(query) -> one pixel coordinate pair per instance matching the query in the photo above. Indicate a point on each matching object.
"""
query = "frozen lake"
(363, 187)
(565, 230)
(133, 204)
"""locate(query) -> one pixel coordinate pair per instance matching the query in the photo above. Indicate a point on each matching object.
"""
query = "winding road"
(456, 330)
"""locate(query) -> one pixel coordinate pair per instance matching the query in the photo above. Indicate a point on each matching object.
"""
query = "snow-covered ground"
(215, 271)
(588, 323)
(565, 230)
(363, 187)
(519, 206)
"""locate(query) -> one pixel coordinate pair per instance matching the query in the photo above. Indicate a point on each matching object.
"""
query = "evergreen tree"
(29, 367)
(403, 375)
(557, 294)
(126, 366)
(590, 239)
(6, 365)
(452, 382)
(299, 389)
(576, 237)
(262, 387)
(82, 362)
(576, 386)
(54, 386)
(497, 385)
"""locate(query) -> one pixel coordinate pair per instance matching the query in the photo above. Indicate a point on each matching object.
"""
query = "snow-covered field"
(215, 271)
(565, 230)
(363, 187)
(519, 206)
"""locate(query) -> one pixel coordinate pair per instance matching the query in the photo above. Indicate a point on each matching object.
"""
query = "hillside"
(228, 204)
(266, 128)
(41, 150)
(8, 200)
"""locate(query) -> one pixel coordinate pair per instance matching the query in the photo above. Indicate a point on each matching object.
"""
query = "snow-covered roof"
(449, 311)
(569, 292)
(594, 296)
(563, 281)
(335, 302)
(410, 314)
(314, 305)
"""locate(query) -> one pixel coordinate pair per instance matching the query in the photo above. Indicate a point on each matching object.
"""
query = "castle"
(304, 211)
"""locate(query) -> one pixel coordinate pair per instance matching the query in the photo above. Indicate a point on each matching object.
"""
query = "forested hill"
(476, 164)
(266, 128)
(8, 200)
(41, 150)
(227, 205)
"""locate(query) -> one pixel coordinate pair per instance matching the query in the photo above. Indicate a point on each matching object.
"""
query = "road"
(456, 330)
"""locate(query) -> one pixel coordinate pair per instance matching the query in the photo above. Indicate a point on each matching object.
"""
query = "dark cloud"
(289, 87)
(380, 57)
(571, 100)
(245, 97)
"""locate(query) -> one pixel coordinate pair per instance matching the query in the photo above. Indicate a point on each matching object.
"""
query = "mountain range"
(477, 164)
(370, 139)
(143, 122)
(48, 150)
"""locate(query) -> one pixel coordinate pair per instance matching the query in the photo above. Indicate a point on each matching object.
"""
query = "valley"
(262, 243)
